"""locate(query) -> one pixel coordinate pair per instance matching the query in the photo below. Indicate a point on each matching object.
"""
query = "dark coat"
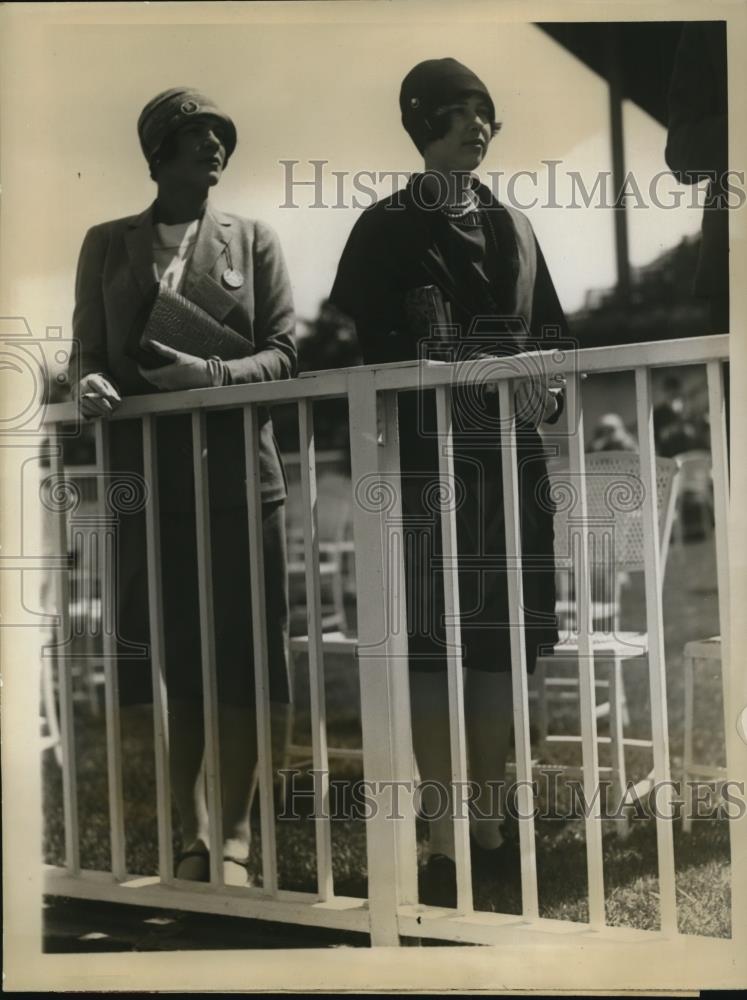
(394, 247)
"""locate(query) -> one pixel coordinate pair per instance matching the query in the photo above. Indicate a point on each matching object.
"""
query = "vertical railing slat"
(207, 646)
(687, 754)
(586, 671)
(377, 722)
(108, 557)
(398, 662)
(720, 474)
(509, 465)
(656, 655)
(157, 652)
(320, 757)
(64, 672)
(261, 666)
(730, 694)
(457, 729)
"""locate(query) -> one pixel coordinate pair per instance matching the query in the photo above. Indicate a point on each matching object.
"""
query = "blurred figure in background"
(611, 434)
(673, 431)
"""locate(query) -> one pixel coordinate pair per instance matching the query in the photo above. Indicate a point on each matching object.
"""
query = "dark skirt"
(230, 587)
(232, 607)
(477, 492)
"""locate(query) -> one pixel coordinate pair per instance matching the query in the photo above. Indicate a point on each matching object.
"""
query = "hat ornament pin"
(189, 107)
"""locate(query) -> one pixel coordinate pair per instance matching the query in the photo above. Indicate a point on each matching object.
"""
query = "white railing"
(392, 907)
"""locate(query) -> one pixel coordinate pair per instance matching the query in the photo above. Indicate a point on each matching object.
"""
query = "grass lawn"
(631, 885)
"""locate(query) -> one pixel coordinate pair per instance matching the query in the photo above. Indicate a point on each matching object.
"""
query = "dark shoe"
(497, 864)
(193, 866)
(438, 882)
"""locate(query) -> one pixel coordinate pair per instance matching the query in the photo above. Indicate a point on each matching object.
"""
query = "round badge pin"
(234, 279)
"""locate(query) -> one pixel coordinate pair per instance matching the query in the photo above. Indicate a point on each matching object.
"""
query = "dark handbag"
(427, 313)
(175, 321)
(430, 328)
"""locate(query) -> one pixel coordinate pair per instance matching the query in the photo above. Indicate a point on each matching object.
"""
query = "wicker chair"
(614, 498)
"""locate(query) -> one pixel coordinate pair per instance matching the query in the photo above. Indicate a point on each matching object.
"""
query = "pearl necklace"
(457, 211)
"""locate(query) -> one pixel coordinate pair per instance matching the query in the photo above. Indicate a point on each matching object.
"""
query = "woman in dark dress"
(445, 229)
(233, 269)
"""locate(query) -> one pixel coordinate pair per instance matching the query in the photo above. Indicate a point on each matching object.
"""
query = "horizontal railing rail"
(391, 908)
(424, 374)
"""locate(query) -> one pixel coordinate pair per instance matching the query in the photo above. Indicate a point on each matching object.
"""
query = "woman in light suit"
(233, 269)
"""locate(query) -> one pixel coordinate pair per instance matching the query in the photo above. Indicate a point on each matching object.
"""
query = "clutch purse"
(428, 319)
(177, 322)
(426, 313)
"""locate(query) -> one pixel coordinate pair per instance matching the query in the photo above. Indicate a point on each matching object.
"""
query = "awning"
(641, 52)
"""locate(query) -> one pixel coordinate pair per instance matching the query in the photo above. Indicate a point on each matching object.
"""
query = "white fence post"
(377, 722)
(259, 636)
(519, 682)
(720, 472)
(656, 655)
(207, 645)
(108, 559)
(317, 694)
(398, 660)
(586, 671)
(457, 727)
(63, 662)
(731, 693)
(157, 653)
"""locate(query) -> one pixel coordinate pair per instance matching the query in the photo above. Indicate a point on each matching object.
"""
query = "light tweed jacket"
(115, 279)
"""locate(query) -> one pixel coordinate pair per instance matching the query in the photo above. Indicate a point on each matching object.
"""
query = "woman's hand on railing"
(97, 397)
(185, 371)
(554, 397)
(537, 402)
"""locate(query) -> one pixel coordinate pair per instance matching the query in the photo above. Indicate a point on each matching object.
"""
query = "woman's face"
(467, 140)
(197, 155)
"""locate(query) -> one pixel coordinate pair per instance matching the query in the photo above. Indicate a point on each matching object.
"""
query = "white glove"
(554, 392)
(185, 371)
(535, 402)
(97, 397)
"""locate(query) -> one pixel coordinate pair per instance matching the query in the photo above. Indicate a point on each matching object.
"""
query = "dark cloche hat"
(431, 84)
(172, 108)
